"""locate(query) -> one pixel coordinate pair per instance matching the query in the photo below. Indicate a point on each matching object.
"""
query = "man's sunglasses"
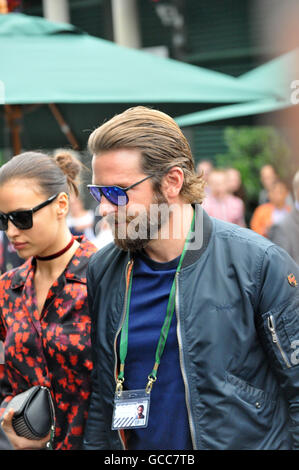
(22, 219)
(113, 194)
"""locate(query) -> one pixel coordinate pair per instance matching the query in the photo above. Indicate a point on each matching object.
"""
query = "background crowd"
(276, 215)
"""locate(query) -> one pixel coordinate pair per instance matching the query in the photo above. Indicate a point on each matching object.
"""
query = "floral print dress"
(52, 349)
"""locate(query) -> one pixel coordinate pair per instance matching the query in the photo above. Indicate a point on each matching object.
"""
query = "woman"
(44, 318)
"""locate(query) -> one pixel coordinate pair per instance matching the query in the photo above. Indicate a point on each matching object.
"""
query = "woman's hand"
(18, 442)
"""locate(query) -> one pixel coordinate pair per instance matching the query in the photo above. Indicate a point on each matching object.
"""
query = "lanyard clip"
(119, 386)
(151, 381)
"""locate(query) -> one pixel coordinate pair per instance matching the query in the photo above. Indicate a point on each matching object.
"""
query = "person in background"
(44, 316)
(234, 183)
(203, 169)
(80, 220)
(286, 233)
(268, 176)
(220, 203)
(272, 212)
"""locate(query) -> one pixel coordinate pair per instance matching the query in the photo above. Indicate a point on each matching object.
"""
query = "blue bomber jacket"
(237, 309)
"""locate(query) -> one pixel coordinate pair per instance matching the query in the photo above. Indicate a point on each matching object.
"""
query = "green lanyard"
(123, 349)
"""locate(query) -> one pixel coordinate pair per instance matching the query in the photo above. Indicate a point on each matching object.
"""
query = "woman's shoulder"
(86, 248)
(76, 268)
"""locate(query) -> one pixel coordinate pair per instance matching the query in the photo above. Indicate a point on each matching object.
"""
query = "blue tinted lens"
(115, 195)
(96, 193)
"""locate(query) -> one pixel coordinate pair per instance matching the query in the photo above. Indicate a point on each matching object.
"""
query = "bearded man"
(192, 317)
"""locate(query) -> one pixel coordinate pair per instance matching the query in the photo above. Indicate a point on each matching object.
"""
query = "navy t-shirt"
(168, 426)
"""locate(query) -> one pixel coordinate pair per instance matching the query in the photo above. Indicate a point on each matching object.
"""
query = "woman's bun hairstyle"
(71, 167)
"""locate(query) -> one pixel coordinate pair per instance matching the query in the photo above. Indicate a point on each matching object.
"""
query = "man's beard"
(139, 229)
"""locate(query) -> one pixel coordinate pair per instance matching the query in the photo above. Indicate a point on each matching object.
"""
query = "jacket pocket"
(249, 414)
(276, 341)
(251, 395)
(282, 335)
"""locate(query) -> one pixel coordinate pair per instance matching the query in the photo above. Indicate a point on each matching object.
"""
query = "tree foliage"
(249, 148)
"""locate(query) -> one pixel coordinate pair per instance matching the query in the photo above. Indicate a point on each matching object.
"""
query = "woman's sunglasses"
(114, 194)
(22, 219)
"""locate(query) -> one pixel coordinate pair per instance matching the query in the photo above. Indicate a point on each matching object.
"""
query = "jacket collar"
(74, 271)
(21, 273)
(201, 237)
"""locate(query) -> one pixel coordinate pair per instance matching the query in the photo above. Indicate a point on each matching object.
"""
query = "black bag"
(34, 413)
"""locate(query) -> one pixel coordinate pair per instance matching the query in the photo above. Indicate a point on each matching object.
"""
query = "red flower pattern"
(53, 349)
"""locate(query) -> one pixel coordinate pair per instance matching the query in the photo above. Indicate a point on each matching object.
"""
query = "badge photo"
(131, 409)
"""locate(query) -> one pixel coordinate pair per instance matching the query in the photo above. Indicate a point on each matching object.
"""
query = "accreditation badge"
(131, 409)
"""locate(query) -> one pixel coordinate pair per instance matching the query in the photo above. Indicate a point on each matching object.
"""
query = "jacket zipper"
(182, 365)
(275, 339)
(115, 341)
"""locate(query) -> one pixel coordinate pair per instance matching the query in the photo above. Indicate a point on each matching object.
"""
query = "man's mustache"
(114, 219)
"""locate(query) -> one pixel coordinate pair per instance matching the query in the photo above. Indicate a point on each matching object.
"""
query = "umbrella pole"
(64, 126)
(13, 115)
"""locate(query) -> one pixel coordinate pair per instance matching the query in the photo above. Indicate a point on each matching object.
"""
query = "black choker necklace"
(59, 253)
